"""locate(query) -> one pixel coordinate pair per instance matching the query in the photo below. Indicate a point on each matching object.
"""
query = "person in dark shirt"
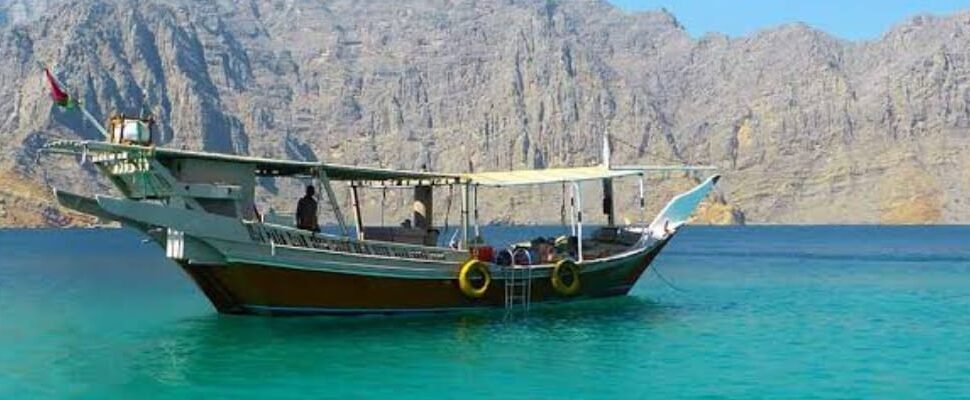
(306, 211)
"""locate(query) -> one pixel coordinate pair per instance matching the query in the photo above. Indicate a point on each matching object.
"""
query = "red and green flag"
(60, 97)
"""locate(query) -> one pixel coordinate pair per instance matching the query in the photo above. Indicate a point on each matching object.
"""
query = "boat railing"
(287, 237)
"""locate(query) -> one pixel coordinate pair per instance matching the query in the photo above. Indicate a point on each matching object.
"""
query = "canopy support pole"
(383, 201)
(478, 233)
(163, 173)
(643, 207)
(464, 217)
(323, 180)
(608, 206)
(562, 206)
(572, 210)
(358, 221)
(577, 190)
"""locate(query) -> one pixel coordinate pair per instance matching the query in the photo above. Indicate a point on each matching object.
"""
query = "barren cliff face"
(805, 128)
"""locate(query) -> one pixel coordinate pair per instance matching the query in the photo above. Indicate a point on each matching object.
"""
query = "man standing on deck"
(306, 211)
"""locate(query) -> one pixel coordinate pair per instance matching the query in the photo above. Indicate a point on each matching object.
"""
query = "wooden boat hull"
(253, 288)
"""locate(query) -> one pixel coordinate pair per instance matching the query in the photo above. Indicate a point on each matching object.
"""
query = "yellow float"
(465, 281)
(572, 269)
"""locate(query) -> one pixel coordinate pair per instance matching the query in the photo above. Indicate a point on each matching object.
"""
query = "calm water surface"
(757, 312)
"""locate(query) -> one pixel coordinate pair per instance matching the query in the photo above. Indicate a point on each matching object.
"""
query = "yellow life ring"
(465, 278)
(557, 279)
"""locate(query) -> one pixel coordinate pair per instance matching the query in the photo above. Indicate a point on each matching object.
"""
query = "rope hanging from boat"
(663, 158)
(664, 280)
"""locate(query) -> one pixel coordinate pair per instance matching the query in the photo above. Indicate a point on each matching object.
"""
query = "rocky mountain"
(805, 127)
(13, 12)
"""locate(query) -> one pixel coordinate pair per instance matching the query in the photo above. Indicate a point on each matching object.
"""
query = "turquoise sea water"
(756, 312)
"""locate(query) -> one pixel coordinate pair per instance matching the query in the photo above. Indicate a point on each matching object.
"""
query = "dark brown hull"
(269, 290)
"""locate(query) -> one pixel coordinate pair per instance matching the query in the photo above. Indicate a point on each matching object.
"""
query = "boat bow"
(679, 210)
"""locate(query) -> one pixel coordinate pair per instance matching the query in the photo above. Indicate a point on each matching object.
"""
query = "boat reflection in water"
(216, 350)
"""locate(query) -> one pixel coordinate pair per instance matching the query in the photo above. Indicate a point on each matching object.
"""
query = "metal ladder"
(518, 283)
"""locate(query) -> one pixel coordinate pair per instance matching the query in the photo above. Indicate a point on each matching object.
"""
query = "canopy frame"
(323, 174)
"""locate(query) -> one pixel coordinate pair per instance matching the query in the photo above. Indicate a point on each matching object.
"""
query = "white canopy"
(545, 176)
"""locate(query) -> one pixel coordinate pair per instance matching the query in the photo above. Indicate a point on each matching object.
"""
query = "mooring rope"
(664, 280)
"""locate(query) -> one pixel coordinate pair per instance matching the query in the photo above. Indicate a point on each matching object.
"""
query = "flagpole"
(92, 120)
(56, 90)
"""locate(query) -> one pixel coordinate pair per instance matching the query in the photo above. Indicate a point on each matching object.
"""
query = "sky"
(847, 19)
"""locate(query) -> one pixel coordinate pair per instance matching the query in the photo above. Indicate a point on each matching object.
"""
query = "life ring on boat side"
(569, 267)
(465, 278)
